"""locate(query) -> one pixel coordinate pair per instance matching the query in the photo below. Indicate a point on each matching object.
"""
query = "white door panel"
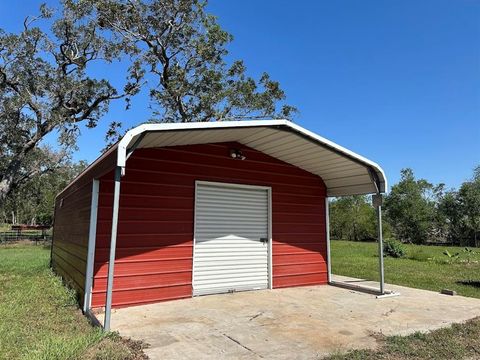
(231, 226)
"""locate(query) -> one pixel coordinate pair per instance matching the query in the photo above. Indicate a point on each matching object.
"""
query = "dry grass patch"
(459, 341)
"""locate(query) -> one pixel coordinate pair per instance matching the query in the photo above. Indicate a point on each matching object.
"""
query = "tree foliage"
(45, 88)
(182, 50)
(410, 208)
(415, 211)
(172, 47)
(469, 206)
(33, 202)
(352, 218)
(420, 212)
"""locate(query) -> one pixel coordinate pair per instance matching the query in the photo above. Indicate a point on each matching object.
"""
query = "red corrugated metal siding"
(154, 244)
(71, 226)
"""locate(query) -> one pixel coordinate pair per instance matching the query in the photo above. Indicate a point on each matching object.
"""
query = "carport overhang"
(343, 171)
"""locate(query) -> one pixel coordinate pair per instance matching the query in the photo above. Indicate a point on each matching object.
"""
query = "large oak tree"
(172, 47)
(45, 88)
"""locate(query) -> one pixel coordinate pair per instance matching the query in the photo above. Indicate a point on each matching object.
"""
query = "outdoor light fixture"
(237, 154)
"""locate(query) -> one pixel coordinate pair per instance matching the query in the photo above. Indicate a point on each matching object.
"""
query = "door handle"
(264, 240)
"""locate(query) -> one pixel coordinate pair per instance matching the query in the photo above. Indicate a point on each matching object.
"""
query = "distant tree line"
(415, 211)
(33, 202)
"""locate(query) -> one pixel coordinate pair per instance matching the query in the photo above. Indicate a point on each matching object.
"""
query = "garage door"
(231, 238)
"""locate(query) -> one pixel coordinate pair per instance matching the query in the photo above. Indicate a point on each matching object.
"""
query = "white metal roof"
(343, 171)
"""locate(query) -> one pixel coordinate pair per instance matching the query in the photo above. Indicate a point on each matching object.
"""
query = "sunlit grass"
(39, 316)
(425, 267)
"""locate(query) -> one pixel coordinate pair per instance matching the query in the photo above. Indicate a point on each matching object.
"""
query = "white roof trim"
(376, 173)
(127, 139)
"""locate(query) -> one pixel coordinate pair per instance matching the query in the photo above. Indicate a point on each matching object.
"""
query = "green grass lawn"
(39, 317)
(424, 267)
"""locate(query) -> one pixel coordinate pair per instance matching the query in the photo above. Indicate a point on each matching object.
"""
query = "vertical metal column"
(113, 245)
(91, 246)
(327, 238)
(380, 249)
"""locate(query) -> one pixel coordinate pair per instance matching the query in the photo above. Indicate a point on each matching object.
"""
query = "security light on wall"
(237, 154)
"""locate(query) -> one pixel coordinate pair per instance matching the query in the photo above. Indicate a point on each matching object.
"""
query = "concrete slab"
(294, 323)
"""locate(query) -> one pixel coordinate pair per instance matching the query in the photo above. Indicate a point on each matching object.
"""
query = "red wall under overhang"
(155, 230)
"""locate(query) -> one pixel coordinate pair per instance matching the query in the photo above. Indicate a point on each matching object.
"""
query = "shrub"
(394, 248)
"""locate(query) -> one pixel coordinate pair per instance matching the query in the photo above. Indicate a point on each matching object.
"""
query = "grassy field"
(424, 267)
(40, 318)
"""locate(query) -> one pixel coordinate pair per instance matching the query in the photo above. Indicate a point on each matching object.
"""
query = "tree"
(410, 208)
(352, 218)
(450, 213)
(182, 49)
(469, 198)
(33, 202)
(45, 88)
(45, 85)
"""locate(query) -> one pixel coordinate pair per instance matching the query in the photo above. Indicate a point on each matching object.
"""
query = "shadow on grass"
(472, 283)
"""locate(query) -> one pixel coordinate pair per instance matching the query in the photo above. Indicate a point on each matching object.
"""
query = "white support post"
(327, 238)
(113, 245)
(87, 300)
(377, 202)
(380, 249)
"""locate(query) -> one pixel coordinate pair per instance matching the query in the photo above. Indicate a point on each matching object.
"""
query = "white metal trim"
(194, 232)
(270, 240)
(125, 141)
(340, 149)
(113, 247)
(92, 235)
(87, 169)
(273, 125)
(133, 133)
(269, 225)
(380, 250)
(327, 239)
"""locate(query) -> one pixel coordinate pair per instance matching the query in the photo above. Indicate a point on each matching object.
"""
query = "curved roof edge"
(133, 137)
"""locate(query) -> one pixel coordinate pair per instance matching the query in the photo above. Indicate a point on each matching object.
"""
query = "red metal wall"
(154, 244)
(69, 252)
(72, 223)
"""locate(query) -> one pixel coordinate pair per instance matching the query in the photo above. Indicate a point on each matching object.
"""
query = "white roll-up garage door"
(231, 238)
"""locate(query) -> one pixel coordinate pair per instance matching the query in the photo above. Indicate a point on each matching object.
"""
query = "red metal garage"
(200, 208)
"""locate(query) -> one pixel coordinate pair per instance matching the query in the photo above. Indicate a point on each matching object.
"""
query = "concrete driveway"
(293, 323)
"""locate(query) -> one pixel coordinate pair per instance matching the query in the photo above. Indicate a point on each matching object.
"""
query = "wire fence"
(10, 236)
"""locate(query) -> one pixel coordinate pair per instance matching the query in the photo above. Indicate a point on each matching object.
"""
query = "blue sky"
(396, 81)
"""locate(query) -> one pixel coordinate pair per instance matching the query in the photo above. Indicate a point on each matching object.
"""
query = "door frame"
(269, 221)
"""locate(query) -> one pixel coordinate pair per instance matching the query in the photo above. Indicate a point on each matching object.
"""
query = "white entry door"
(231, 248)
